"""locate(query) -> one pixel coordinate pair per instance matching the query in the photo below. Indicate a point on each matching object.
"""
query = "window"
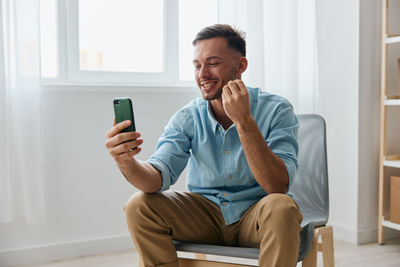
(122, 41)
(121, 36)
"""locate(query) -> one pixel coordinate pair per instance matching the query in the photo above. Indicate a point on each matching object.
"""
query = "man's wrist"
(247, 124)
(126, 163)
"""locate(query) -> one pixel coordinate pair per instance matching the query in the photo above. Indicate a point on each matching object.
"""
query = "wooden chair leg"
(327, 246)
(311, 259)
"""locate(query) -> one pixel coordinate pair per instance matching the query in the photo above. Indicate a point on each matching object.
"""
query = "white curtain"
(21, 170)
(281, 49)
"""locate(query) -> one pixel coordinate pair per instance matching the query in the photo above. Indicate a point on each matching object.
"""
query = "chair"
(309, 190)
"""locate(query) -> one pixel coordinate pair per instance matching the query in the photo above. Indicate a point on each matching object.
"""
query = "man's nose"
(204, 73)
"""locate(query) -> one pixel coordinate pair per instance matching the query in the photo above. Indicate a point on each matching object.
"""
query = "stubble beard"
(218, 93)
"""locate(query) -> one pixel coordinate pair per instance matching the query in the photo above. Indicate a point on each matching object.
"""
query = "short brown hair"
(234, 37)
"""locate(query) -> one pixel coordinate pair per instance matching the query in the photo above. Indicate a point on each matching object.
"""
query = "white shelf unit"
(386, 161)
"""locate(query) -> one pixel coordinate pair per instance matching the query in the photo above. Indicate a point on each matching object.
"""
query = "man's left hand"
(235, 99)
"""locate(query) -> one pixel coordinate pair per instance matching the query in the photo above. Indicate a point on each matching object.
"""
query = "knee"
(137, 204)
(280, 207)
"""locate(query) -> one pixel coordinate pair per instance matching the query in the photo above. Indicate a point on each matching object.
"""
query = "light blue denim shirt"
(218, 169)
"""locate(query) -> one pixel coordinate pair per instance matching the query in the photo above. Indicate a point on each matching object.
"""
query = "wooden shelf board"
(392, 157)
(392, 163)
(391, 40)
(391, 225)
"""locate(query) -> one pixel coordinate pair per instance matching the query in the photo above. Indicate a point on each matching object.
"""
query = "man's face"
(215, 65)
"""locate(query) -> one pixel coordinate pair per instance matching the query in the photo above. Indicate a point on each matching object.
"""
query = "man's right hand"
(123, 146)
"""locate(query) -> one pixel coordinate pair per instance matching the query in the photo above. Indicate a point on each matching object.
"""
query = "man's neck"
(219, 113)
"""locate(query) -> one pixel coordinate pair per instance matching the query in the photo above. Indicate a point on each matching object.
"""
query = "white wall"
(369, 119)
(338, 50)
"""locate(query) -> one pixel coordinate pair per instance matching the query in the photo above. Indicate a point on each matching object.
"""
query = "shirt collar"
(214, 122)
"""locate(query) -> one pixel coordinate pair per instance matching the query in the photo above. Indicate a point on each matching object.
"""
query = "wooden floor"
(371, 255)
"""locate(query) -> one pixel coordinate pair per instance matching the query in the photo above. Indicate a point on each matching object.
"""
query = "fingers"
(235, 88)
(242, 88)
(225, 97)
(127, 155)
(227, 89)
(122, 146)
(118, 128)
(126, 147)
(121, 138)
(235, 100)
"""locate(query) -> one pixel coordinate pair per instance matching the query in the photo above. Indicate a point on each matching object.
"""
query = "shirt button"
(230, 177)
(225, 204)
(219, 128)
(226, 152)
(225, 194)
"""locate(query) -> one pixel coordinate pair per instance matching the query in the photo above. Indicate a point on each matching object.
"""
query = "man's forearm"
(142, 175)
(268, 169)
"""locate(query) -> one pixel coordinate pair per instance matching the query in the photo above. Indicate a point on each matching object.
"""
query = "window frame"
(68, 47)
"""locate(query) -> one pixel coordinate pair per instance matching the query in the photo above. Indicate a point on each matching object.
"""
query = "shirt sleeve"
(282, 139)
(173, 149)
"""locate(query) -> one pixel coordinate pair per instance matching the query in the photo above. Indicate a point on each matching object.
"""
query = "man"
(243, 155)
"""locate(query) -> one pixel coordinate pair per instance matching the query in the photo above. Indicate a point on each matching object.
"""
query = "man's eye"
(214, 63)
(197, 67)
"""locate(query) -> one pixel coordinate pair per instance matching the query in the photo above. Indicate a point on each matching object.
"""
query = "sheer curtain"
(282, 48)
(21, 173)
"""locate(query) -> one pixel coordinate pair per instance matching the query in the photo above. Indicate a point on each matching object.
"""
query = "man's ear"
(242, 65)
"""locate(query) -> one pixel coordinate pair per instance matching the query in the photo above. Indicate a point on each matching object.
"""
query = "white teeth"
(208, 85)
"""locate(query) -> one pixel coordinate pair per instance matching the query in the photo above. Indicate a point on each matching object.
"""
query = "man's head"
(219, 57)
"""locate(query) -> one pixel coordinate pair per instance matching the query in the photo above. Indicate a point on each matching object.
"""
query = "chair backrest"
(310, 186)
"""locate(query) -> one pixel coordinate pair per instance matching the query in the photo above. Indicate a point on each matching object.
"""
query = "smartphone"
(123, 110)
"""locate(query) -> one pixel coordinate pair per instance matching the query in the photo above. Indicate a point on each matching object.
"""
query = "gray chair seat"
(306, 237)
(239, 252)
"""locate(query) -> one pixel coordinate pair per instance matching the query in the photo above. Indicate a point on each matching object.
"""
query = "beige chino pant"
(154, 220)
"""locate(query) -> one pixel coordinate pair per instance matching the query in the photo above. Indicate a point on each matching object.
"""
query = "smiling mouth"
(208, 84)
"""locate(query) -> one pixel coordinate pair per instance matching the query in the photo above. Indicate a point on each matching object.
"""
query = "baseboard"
(345, 234)
(65, 250)
(364, 236)
(353, 236)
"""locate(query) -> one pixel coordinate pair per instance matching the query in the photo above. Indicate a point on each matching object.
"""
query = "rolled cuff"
(165, 173)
